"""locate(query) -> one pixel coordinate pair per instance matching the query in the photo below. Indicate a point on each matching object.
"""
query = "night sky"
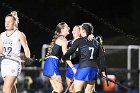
(117, 21)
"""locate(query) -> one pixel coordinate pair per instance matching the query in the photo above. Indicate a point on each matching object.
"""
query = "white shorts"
(10, 68)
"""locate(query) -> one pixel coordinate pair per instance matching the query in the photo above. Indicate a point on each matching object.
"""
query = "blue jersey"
(52, 63)
(88, 52)
(56, 51)
(74, 60)
(75, 55)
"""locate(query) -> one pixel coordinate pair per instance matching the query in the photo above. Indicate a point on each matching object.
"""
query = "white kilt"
(10, 68)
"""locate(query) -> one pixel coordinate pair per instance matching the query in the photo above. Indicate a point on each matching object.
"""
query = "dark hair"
(60, 26)
(88, 28)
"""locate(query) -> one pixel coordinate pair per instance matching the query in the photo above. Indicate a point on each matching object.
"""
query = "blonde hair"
(15, 16)
(56, 35)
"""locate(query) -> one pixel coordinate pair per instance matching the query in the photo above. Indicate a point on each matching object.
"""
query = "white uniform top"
(11, 44)
(11, 47)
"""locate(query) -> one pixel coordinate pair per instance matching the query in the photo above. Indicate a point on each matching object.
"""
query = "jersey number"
(91, 49)
(8, 50)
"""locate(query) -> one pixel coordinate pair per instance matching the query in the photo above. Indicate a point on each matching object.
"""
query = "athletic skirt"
(10, 68)
(69, 72)
(51, 66)
(86, 74)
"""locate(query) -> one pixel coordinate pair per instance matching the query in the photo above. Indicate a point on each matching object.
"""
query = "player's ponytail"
(14, 14)
(56, 35)
(99, 39)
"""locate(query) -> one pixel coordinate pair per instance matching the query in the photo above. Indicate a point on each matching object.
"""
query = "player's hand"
(74, 70)
(1, 57)
(103, 75)
(28, 61)
(91, 37)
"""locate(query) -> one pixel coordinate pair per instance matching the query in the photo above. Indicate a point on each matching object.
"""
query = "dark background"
(117, 21)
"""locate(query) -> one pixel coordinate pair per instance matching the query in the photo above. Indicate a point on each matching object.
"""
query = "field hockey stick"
(40, 60)
(27, 61)
(67, 89)
(12, 58)
(117, 83)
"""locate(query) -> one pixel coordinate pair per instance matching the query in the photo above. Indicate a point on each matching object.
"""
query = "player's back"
(88, 51)
(57, 51)
(94, 49)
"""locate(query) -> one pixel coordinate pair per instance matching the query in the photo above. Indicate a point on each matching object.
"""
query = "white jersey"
(11, 44)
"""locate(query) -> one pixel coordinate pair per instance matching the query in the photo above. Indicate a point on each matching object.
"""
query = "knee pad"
(79, 92)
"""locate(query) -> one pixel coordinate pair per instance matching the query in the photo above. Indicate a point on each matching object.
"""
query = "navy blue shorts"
(51, 66)
(69, 72)
(86, 74)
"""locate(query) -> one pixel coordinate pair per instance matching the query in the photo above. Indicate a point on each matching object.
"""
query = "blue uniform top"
(88, 52)
(75, 55)
(57, 51)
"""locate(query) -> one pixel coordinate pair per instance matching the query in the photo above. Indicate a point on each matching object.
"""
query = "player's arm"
(103, 63)
(90, 37)
(23, 41)
(72, 49)
(1, 48)
(102, 59)
(64, 44)
(64, 50)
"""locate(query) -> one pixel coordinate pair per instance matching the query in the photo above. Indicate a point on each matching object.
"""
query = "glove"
(28, 61)
(1, 57)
